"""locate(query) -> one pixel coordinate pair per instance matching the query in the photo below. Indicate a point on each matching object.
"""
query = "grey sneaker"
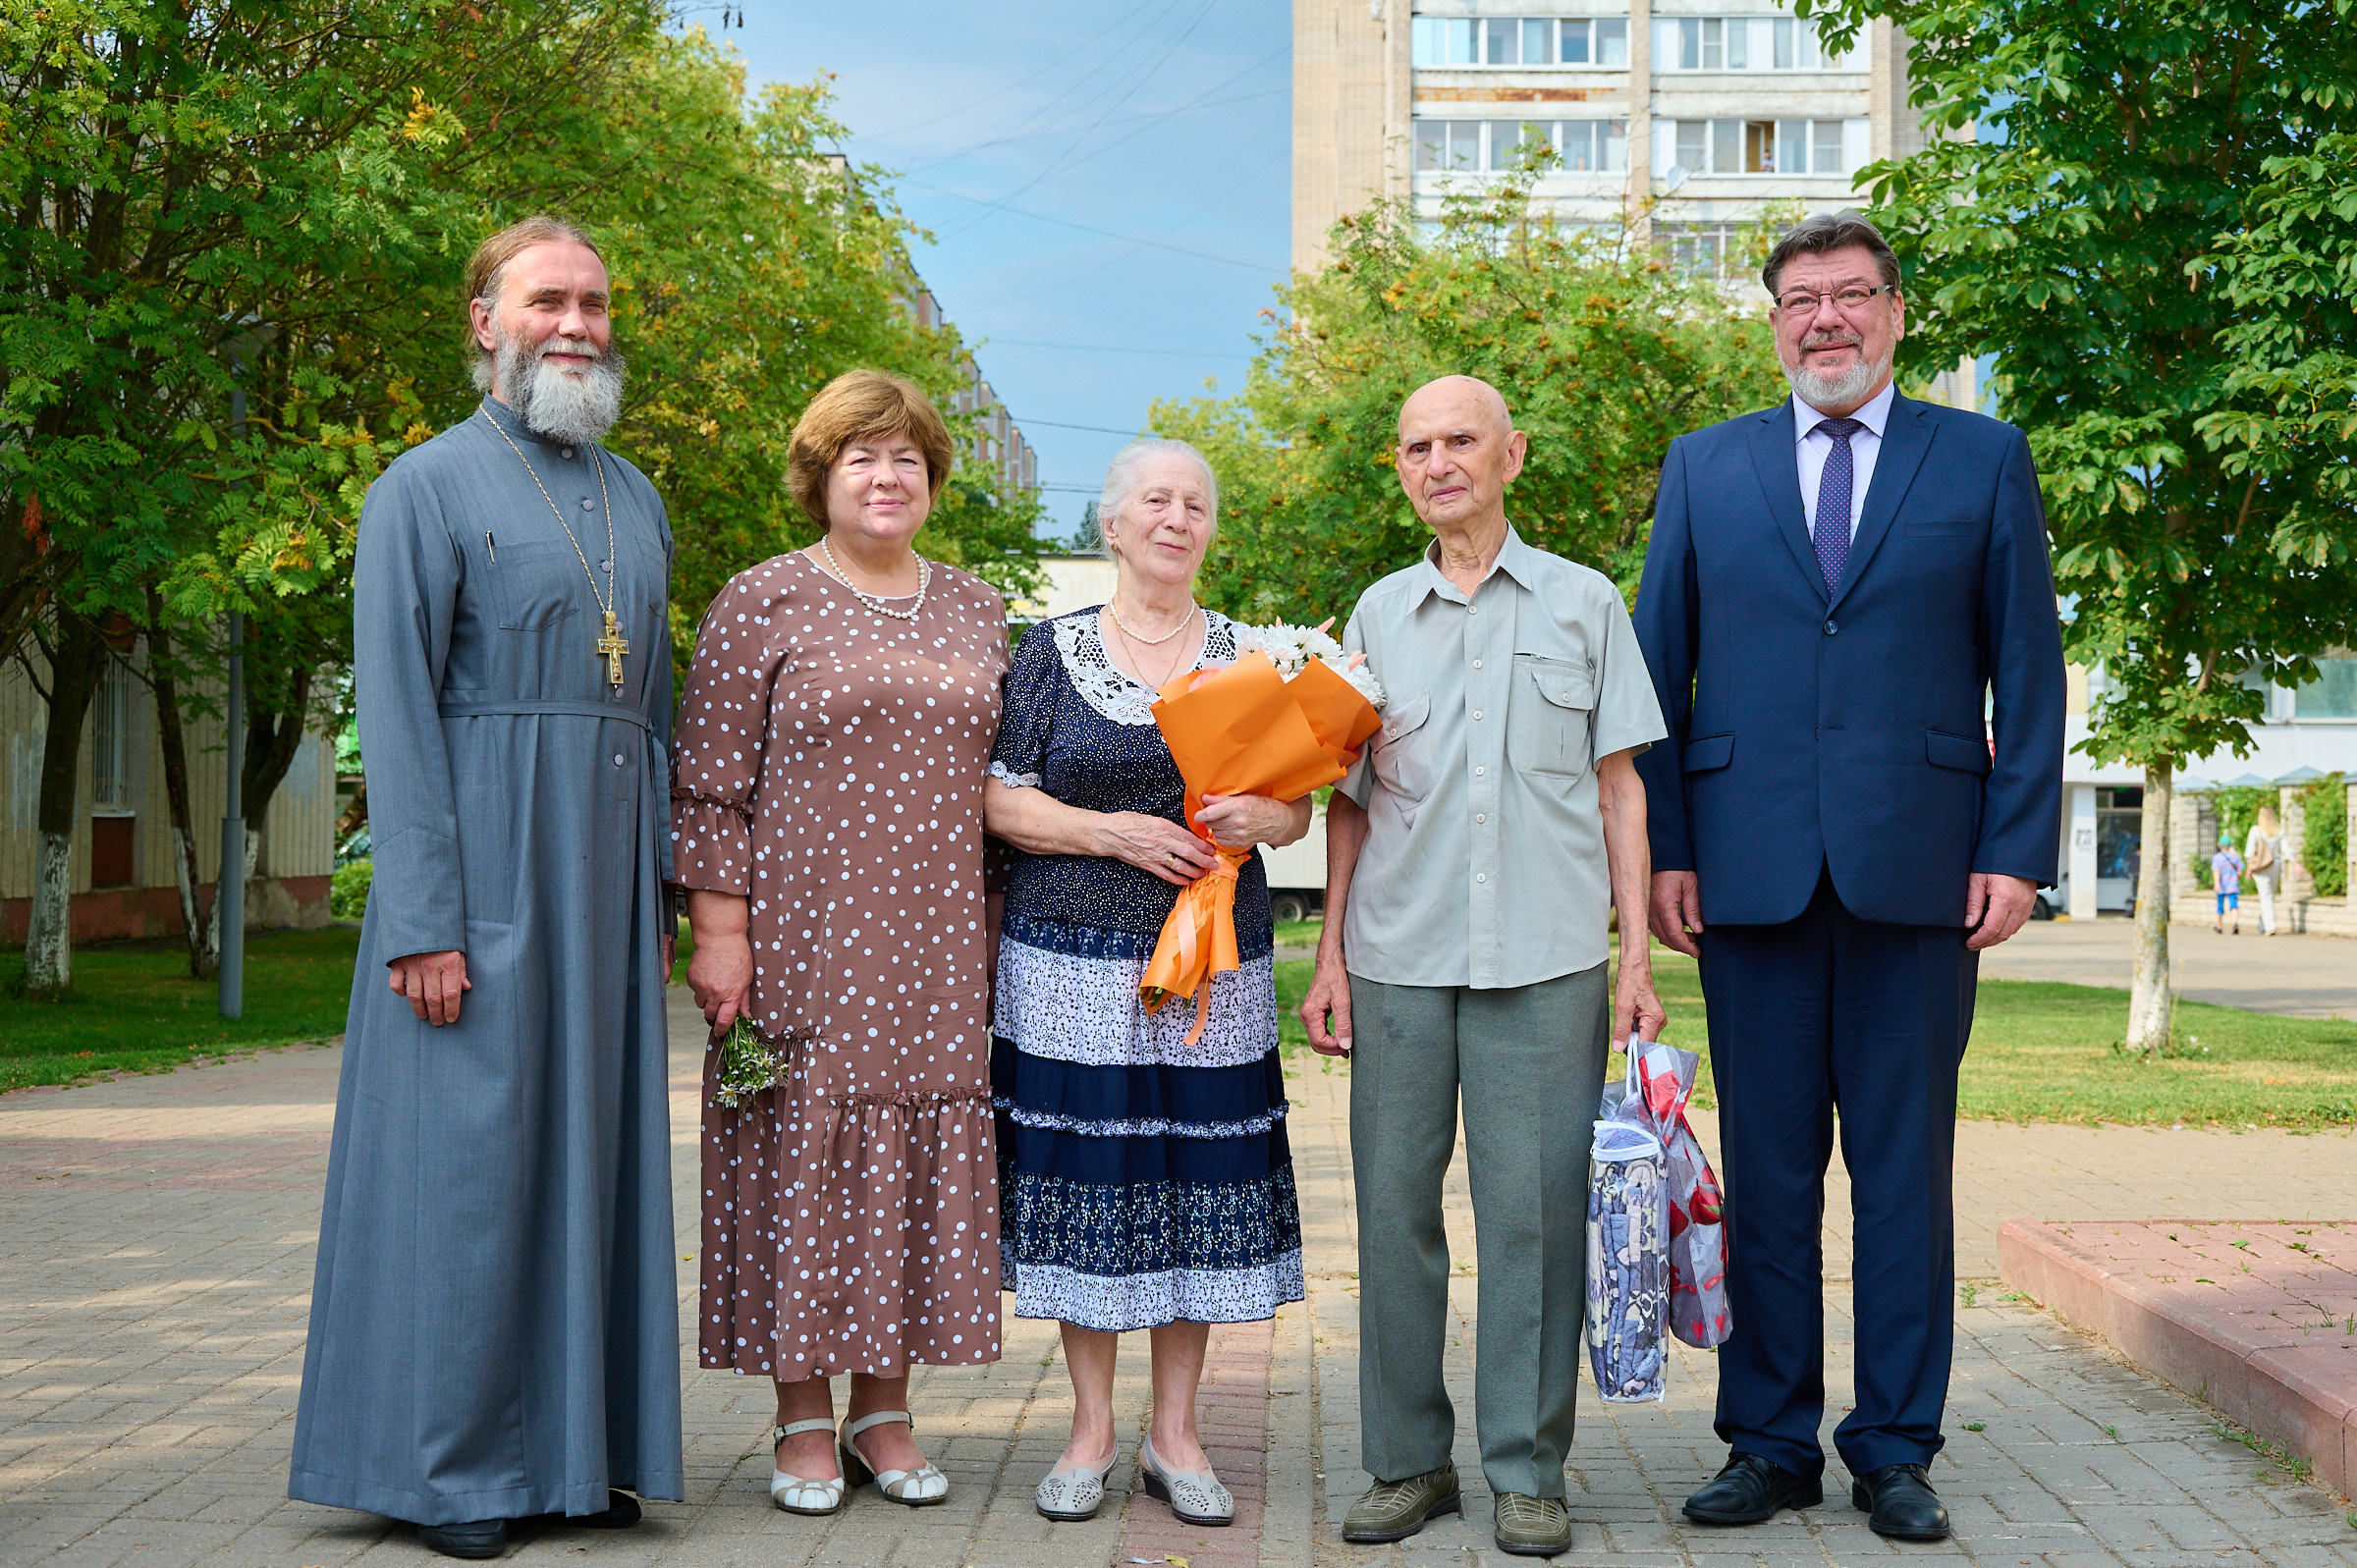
(1532, 1527)
(1394, 1510)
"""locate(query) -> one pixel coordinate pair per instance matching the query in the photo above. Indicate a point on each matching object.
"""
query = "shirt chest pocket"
(1402, 758)
(1548, 714)
(537, 582)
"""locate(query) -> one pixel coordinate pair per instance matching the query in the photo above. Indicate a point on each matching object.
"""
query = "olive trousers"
(1528, 1063)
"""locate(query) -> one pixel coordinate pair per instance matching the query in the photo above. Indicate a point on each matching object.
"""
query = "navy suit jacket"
(1811, 728)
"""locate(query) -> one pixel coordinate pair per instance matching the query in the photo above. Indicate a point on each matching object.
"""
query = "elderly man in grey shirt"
(1471, 858)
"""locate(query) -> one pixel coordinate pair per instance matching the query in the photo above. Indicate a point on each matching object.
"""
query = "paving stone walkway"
(156, 1248)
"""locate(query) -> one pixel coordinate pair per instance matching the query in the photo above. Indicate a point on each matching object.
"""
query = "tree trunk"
(74, 665)
(2151, 1002)
(205, 959)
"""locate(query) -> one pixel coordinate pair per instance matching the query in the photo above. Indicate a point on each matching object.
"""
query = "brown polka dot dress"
(829, 767)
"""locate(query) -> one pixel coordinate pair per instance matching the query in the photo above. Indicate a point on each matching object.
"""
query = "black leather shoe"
(485, 1538)
(1899, 1503)
(1750, 1490)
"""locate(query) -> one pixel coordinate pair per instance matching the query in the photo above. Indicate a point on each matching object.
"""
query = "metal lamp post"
(230, 900)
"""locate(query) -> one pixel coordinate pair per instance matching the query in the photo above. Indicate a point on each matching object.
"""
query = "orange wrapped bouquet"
(1250, 728)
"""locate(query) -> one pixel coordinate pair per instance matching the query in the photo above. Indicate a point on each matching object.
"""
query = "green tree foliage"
(2325, 833)
(1603, 356)
(2113, 205)
(750, 268)
(281, 197)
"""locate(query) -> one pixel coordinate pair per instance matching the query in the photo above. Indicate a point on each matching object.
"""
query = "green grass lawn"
(132, 1008)
(2042, 1051)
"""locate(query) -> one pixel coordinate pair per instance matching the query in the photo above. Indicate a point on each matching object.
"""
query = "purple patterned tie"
(1833, 499)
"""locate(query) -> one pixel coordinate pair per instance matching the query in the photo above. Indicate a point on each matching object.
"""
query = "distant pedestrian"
(2225, 872)
(2263, 855)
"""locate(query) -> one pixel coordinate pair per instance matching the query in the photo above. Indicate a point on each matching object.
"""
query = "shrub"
(2325, 833)
(348, 893)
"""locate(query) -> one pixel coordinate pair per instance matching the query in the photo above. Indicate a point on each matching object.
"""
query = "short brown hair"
(484, 270)
(1830, 231)
(863, 406)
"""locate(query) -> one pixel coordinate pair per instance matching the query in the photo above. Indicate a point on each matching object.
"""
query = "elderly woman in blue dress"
(1144, 1182)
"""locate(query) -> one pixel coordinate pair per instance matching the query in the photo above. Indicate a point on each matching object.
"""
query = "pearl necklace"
(924, 579)
(1184, 622)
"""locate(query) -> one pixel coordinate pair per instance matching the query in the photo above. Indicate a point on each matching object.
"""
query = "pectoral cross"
(613, 648)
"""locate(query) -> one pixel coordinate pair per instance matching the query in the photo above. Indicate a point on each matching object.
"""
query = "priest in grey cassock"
(494, 1317)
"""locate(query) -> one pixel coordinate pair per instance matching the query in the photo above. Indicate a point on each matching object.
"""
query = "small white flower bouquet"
(1290, 648)
(748, 1063)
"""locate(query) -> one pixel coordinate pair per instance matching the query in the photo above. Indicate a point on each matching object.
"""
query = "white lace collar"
(1104, 687)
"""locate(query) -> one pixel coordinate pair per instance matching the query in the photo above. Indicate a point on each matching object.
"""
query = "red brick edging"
(2259, 1320)
(1231, 1412)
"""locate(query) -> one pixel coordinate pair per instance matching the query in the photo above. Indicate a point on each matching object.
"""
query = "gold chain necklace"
(610, 647)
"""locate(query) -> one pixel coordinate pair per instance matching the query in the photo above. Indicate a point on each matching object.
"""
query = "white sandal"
(1195, 1498)
(1074, 1494)
(918, 1489)
(794, 1493)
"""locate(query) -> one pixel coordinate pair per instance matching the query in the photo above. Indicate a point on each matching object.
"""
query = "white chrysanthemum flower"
(1290, 648)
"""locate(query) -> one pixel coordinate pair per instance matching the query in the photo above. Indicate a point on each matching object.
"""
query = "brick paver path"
(155, 1246)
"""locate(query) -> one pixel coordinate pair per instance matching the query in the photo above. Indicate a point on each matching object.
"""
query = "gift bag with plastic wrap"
(1663, 1077)
(1629, 1261)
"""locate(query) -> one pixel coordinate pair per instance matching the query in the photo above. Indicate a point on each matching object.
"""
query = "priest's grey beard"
(557, 403)
(1847, 387)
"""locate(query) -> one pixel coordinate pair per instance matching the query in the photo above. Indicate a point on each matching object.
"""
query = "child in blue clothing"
(2226, 873)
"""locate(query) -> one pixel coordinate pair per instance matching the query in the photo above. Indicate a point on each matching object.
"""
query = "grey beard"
(1848, 387)
(555, 404)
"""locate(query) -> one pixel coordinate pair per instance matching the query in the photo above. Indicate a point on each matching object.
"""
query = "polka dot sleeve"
(1027, 709)
(723, 729)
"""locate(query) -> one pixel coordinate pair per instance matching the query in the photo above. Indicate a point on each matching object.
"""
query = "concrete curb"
(2257, 1321)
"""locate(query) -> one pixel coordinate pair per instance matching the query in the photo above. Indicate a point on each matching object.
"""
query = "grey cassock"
(495, 1317)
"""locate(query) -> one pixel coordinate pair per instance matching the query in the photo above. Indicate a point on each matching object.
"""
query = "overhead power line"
(1112, 348)
(1090, 228)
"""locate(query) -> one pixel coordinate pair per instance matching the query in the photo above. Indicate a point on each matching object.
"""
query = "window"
(1463, 41)
(1759, 146)
(1706, 247)
(1586, 146)
(1825, 149)
(2119, 833)
(2332, 694)
(110, 738)
(1447, 144)
(1508, 136)
(1594, 146)
(1739, 43)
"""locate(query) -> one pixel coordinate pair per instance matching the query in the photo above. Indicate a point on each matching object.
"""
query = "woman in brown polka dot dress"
(827, 807)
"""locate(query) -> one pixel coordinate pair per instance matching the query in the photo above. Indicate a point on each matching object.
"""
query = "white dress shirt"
(1815, 446)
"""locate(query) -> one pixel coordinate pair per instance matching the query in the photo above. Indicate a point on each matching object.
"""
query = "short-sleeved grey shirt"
(1484, 864)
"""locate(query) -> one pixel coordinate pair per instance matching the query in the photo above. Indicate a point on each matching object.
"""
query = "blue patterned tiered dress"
(1143, 1180)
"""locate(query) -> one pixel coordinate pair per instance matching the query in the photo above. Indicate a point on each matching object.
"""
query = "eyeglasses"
(1800, 302)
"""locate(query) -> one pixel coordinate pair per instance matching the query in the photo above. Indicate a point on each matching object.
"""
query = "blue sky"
(1108, 185)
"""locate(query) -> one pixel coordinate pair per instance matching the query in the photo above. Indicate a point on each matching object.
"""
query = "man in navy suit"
(1848, 616)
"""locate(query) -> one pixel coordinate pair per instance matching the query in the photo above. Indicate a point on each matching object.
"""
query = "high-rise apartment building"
(1713, 108)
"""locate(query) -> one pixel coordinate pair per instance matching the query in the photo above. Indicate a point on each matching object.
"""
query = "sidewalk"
(155, 1246)
(2296, 975)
